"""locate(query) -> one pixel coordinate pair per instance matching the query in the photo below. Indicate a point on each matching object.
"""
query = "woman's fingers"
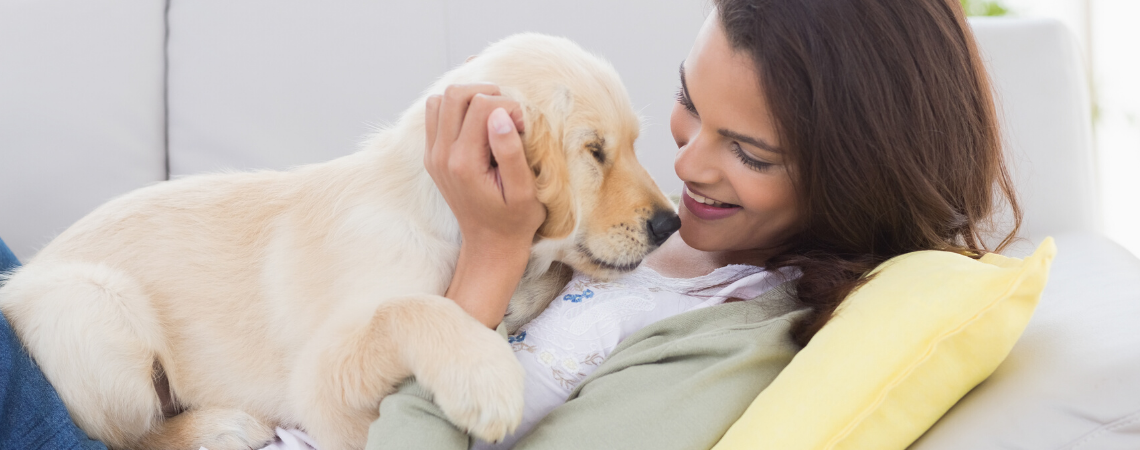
(474, 153)
(468, 128)
(453, 108)
(506, 145)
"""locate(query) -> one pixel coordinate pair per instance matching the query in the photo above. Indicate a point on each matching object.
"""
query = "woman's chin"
(699, 239)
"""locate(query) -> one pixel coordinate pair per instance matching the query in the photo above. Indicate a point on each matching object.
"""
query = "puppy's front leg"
(534, 294)
(471, 370)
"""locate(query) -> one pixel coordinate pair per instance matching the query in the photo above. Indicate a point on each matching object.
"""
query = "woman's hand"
(475, 156)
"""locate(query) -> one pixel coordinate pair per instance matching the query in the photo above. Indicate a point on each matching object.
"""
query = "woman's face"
(738, 191)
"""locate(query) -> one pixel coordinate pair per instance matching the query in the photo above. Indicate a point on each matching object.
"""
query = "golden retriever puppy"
(301, 298)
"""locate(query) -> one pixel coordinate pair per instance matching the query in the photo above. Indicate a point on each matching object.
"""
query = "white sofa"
(101, 97)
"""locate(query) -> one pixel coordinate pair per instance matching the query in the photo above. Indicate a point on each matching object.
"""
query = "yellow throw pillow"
(899, 353)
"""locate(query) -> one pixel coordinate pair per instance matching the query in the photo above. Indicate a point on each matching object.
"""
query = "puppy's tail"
(95, 335)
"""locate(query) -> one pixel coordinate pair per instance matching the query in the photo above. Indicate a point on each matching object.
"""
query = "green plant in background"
(984, 8)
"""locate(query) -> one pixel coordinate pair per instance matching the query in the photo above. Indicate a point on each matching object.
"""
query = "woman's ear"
(544, 153)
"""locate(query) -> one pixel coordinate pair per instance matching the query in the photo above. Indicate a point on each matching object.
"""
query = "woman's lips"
(706, 212)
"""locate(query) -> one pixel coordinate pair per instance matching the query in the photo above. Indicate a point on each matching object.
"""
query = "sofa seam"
(166, 91)
(1095, 434)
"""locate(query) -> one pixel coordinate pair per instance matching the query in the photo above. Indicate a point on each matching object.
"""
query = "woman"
(816, 137)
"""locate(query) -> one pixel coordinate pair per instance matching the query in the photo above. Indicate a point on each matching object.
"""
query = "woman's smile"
(706, 208)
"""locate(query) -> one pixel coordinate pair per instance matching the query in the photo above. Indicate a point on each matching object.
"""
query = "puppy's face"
(621, 215)
(604, 212)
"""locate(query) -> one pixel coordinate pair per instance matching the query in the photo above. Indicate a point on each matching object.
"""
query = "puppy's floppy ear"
(547, 158)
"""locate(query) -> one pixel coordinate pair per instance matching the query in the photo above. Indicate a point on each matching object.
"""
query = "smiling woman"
(884, 115)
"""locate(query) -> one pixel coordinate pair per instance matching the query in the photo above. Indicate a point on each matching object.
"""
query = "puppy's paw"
(479, 386)
(238, 431)
(213, 428)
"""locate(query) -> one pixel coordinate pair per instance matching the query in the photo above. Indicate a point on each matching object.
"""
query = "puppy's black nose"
(662, 225)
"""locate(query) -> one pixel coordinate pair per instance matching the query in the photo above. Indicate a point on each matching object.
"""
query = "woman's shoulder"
(776, 302)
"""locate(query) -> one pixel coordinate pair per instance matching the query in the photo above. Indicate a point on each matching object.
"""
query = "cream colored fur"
(302, 298)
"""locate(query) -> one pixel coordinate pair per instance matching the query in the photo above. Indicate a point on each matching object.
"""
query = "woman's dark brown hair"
(884, 111)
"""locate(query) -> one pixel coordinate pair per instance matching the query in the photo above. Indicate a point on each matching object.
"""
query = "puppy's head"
(604, 212)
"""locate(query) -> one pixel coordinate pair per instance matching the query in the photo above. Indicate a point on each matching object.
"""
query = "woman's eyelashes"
(684, 101)
(749, 161)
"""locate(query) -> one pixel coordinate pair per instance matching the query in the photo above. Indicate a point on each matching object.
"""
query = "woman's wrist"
(486, 275)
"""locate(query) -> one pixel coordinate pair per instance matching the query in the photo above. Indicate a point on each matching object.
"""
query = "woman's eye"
(749, 161)
(684, 101)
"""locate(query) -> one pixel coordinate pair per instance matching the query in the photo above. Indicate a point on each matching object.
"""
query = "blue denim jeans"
(8, 261)
(31, 414)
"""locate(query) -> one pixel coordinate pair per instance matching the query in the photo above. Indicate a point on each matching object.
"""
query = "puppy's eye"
(596, 150)
(598, 155)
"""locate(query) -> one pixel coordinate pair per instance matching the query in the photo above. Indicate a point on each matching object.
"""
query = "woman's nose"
(696, 162)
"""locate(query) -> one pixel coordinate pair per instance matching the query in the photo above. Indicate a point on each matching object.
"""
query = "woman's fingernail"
(501, 121)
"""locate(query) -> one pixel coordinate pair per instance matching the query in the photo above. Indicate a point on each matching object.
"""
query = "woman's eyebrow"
(756, 142)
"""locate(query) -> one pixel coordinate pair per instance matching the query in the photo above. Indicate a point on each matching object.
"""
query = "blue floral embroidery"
(577, 298)
(516, 338)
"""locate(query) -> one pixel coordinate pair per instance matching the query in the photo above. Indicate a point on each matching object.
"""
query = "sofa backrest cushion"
(96, 98)
(1044, 105)
(81, 111)
(276, 83)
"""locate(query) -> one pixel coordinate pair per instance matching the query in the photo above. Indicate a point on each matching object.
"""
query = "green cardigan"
(676, 384)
